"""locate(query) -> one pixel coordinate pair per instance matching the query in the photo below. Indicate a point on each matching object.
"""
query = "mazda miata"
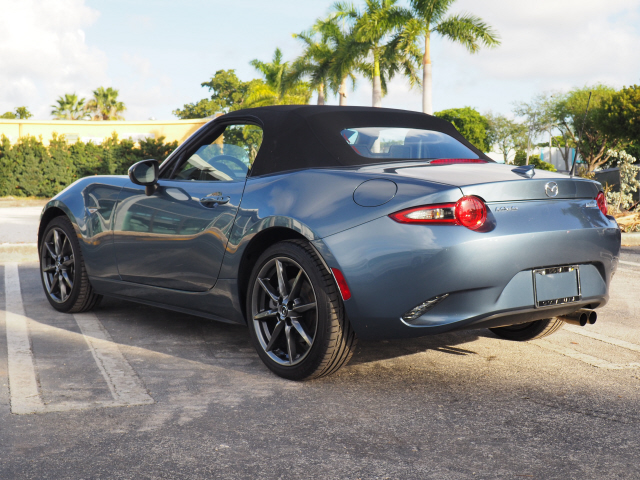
(315, 226)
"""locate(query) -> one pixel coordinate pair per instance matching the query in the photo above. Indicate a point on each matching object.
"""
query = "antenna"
(584, 120)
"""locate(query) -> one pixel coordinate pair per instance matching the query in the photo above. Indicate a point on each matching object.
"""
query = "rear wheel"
(530, 330)
(62, 270)
(295, 313)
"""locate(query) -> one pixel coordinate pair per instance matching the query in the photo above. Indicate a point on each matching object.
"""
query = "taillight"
(456, 160)
(601, 200)
(444, 213)
(470, 212)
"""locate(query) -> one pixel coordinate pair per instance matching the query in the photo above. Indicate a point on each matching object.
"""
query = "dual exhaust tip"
(580, 317)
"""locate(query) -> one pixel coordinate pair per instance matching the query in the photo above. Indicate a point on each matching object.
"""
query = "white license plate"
(556, 285)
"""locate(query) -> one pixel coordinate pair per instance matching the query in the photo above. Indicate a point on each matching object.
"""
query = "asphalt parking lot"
(131, 391)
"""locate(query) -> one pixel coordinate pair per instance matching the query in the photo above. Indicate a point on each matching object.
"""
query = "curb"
(631, 239)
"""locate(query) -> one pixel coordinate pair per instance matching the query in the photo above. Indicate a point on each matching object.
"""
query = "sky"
(158, 52)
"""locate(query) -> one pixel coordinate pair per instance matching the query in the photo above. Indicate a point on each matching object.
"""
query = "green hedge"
(28, 168)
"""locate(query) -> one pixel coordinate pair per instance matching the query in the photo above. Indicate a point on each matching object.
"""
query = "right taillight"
(469, 211)
(601, 200)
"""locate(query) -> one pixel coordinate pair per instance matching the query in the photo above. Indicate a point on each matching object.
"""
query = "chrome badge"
(551, 189)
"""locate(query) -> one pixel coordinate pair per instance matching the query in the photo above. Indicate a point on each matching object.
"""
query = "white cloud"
(558, 43)
(43, 53)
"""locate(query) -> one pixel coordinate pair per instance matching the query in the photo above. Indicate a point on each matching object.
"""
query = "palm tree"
(279, 87)
(315, 63)
(69, 107)
(346, 51)
(377, 28)
(429, 17)
(393, 59)
(105, 105)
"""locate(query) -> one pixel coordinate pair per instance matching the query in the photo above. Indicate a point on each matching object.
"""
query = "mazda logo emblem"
(551, 189)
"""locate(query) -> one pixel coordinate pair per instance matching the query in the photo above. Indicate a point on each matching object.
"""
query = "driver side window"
(228, 158)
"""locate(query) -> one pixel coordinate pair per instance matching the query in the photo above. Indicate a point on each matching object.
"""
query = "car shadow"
(228, 345)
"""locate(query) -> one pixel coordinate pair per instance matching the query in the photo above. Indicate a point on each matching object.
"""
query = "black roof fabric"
(308, 136)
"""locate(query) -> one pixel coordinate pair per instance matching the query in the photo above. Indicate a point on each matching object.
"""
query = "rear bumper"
(391, 268)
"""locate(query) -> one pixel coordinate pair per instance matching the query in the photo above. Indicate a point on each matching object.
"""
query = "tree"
(20, 113)
(376, 29)
(508, 135)
(346, 53)
(69, 107)
(539, 117)
(229, 93)
(473, 126)
(429, 17)
(314, 63)
(279, 87)
(105, 105)
(623, 114)
(598, 139)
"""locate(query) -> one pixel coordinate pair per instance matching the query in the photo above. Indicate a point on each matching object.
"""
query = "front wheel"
(62, 269)
(295, 314)
(530, 330)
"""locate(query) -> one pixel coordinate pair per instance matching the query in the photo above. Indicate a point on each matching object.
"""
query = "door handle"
(213, 200)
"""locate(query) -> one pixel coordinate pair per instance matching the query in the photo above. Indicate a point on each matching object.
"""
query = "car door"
(176, 237)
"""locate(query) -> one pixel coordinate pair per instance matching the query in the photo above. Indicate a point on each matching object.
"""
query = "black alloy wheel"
(296, 315)
(63, 274)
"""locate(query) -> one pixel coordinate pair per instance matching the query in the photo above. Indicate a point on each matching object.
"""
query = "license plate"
(556, 285)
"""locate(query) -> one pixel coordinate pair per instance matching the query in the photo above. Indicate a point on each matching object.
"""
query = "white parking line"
(125, 385)
(624, 262)
(23, 385)
(626, 270)
(583, 357)
(603, 338)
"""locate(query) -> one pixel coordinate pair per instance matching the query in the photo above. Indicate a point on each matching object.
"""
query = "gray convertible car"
(318, 225)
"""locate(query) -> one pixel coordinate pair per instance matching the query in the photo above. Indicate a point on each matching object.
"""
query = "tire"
(62, 270)
(294, 339)
(530, 330)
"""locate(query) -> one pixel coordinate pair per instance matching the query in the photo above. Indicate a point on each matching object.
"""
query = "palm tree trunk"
(343, 92)
(427, 99)
(377, 86)
(321, 94)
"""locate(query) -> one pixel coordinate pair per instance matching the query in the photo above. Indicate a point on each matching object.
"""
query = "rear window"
(404, 143)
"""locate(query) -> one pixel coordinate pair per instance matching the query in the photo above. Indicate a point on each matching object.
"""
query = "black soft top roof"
(308, 136)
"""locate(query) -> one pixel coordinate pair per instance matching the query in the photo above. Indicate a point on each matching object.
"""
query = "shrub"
(521, 159)
(28, 168)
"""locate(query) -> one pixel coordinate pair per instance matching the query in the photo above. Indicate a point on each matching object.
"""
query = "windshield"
(404, 143)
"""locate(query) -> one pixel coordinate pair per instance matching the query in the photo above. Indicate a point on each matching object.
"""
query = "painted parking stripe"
(626, 270)
(583, 357)
(23, 384)
(603, 338)
(624, 262)
(125, 385)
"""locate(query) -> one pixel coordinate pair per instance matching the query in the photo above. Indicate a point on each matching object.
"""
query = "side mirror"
(145, 173)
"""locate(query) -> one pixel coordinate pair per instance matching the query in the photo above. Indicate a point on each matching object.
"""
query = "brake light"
(441, 161)
(601, 200)
(342, 284)
(470, 212)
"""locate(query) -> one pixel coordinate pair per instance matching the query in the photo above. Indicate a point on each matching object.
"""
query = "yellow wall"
(94, 130)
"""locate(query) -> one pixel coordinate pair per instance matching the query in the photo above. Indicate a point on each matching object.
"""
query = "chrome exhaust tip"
(580, 317)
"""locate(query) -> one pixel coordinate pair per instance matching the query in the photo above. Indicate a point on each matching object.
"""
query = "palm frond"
(468, 30)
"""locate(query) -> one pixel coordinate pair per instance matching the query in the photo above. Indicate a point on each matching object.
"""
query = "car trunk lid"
(495, 182)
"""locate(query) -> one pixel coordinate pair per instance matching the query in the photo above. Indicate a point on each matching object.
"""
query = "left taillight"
(469, 211)
(601, 200)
